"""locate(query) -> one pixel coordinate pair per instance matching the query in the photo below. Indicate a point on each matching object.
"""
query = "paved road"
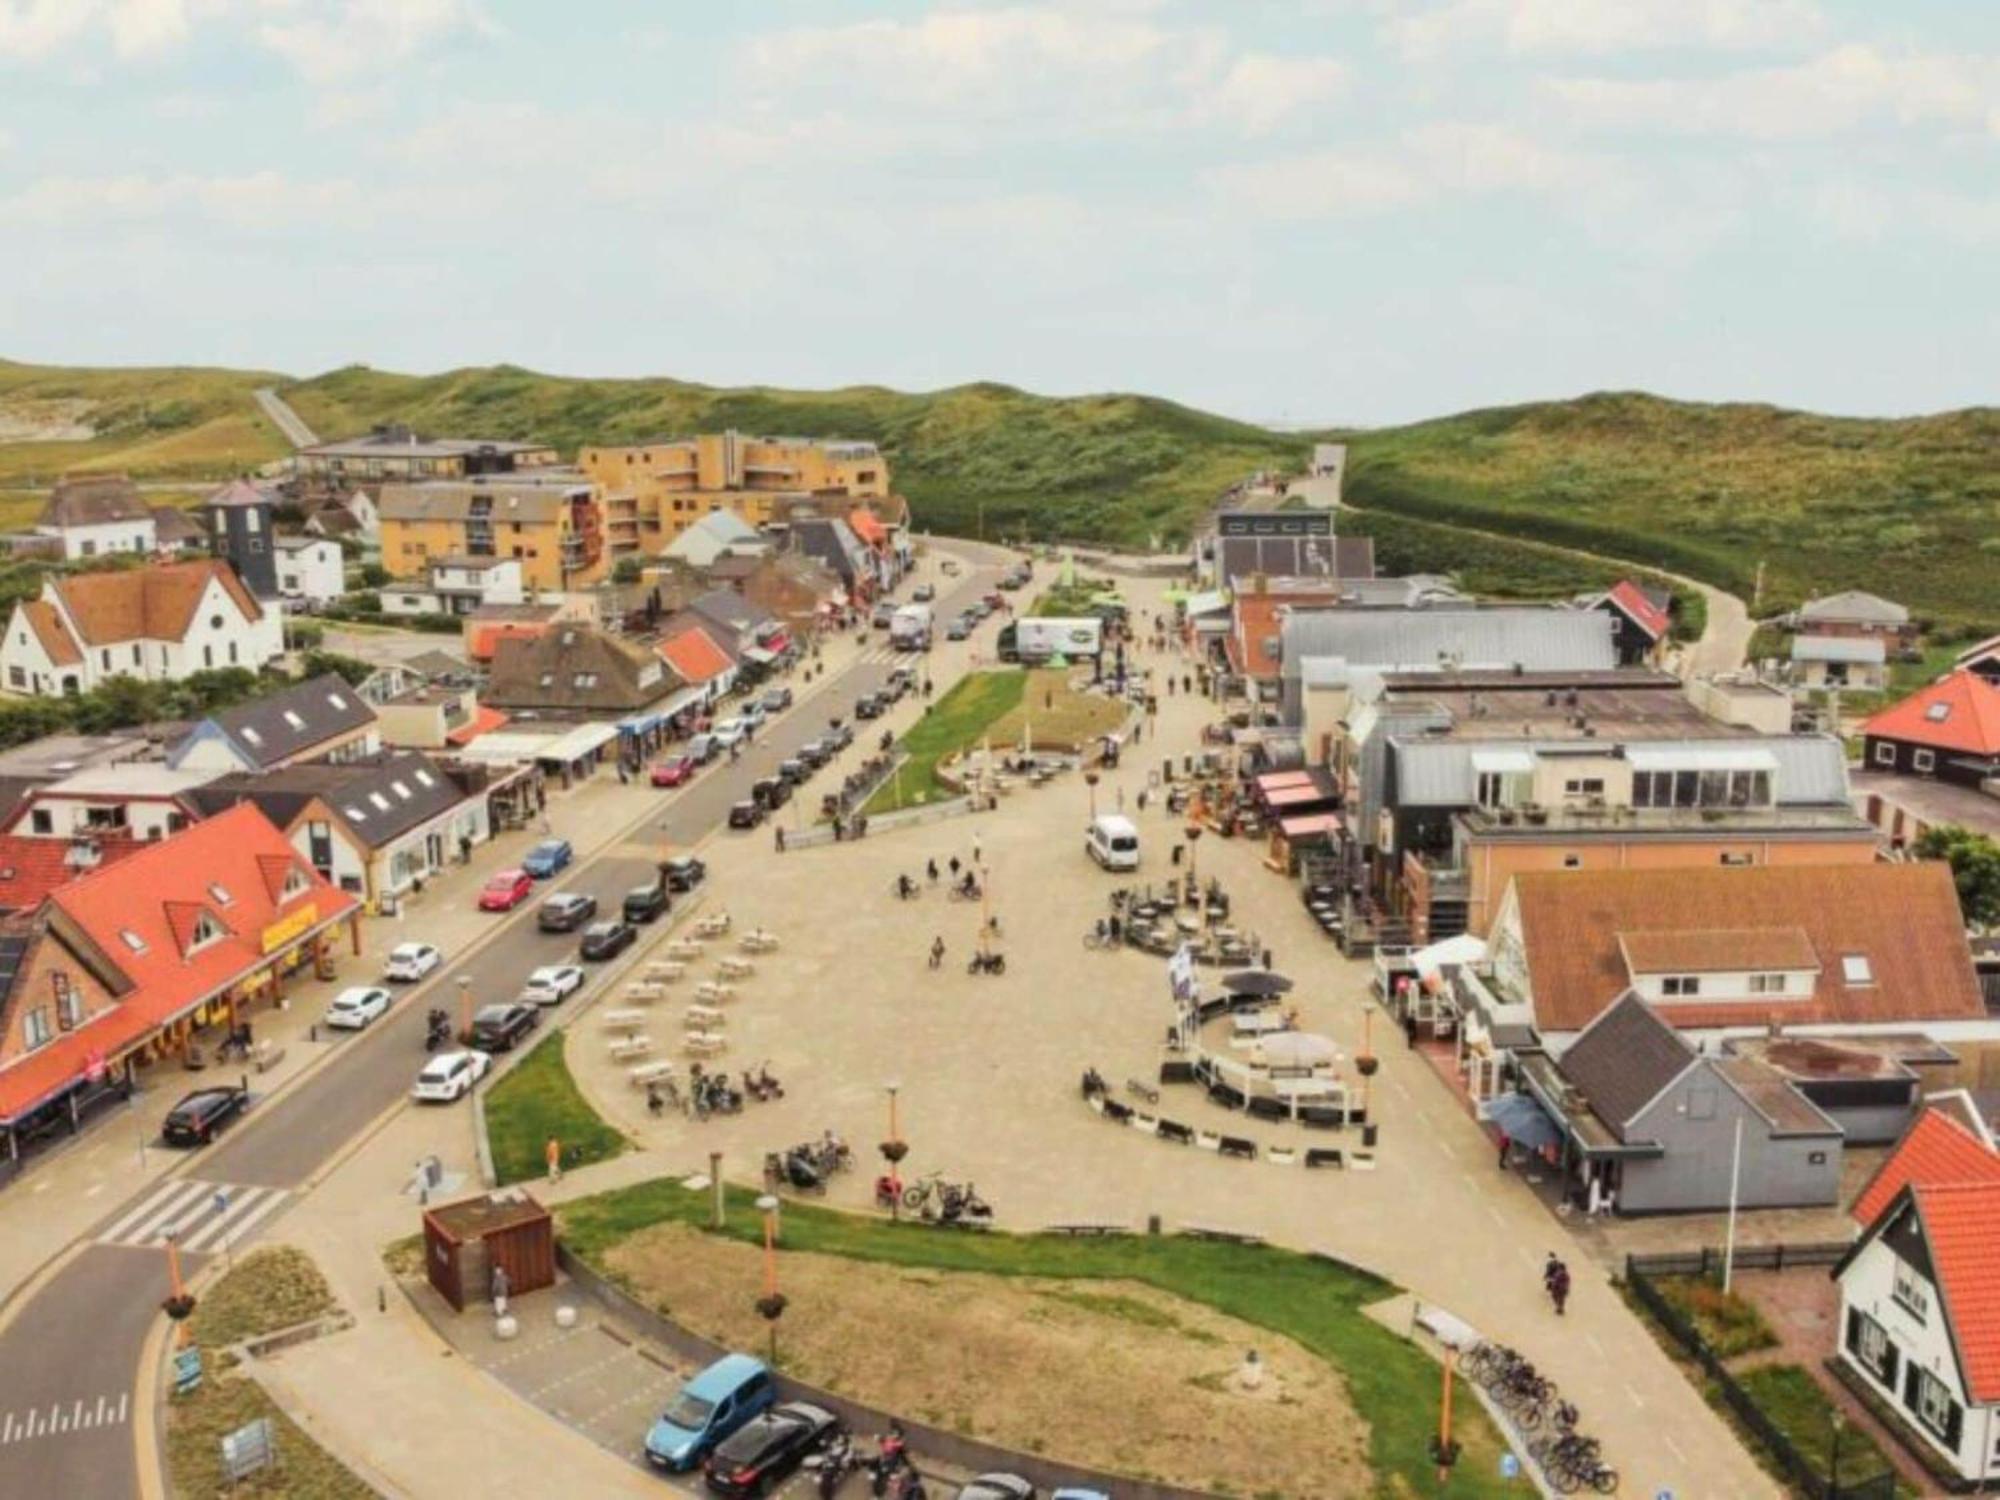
(80, 1336)
(284, 418)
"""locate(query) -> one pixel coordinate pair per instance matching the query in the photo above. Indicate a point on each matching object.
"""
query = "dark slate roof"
(290, 723)
(93, 500)
(731, 610)
(1623, 1059)
(570, 667)
(379, 797)
(834, 543)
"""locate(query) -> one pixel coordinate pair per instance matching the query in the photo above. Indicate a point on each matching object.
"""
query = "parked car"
(605, 940)
(675, 770)
(776, 700)
(645, 903)
(496, 1028)
(746, 814)
(409, 962)
(753, 714)
(449, 1076)
(552, 984)
(998, 1487)
(703, 749)
(923, 593)
(771, 792)
(765, 1451)
(948, 568)
(959, 629)
(902, 680)
(566, 911)
(685, 873)
(708, 1409)
(839, 735)
(506, 890)
(354, 1007)
(1011, 581)
(729, 733)
(815, 754)
(199, 1115)
(793, 772)
(869, 706)
(993, 601)
(883, 613)
(547, 857)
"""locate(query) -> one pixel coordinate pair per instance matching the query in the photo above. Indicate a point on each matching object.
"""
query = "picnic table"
(629, 1047)
(652, 1072)
(623, 1020)
(1256, 1023)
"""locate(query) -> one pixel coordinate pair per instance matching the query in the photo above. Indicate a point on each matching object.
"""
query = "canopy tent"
(579, 743)
(1522, 1121)
(1297, 1049)
(1452, 952)
(1323, 826)
(1278, 781)
(1261, 982)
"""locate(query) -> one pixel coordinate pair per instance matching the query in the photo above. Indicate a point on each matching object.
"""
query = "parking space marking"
(63, 1418)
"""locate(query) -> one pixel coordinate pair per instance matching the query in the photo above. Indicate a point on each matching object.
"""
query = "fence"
(1800, 1472)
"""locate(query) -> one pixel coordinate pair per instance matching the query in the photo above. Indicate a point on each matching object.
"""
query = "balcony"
(1530, 819)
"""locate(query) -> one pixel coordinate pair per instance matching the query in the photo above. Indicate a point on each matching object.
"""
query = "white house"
(310, 569)
(142, 801)
(159, 623)
(98, 515)
(458, 586)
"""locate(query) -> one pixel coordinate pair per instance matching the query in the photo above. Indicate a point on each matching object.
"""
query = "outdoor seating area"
(1161, 920)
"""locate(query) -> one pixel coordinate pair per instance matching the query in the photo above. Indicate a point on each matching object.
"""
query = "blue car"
(708, 1409)
(547, 857)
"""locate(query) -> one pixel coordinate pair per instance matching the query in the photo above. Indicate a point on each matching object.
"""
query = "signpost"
(187, 1369)
(249, 1450)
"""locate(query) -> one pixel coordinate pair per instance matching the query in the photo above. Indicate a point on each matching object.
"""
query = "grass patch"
(1070, 600)
(536, 1100)
(271, 1288)
(1316, 1303)
(1803, 1412)
(1729, 1323)
(1056, 715)
(404, 1258)
(961, 718)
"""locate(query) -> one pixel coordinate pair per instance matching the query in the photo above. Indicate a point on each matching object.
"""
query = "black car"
(645, 903)
(771, 792)
(763, 1452)
(959, 629)
(685, 873)
(869, 706)
(496, 1028)
(902, 681)
(777, 699)
(814, 753)
(566, 911)
(839, 736)
(602, 940)
(746, 814)
(195, 1120)
(793, 772)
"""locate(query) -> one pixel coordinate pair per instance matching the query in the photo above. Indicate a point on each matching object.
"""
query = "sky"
(1355, 211)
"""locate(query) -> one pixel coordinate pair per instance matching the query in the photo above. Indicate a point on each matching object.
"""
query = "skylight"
(1855, 968)
(220, 893)
(400, 789)
(293, 719)
(381, 802)
(337, 701)
(252, 735)
(1937, 713)
(355, 814)
(132, 940)
(425, 778)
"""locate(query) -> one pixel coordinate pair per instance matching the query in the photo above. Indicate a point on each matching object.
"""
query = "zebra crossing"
(202, 1217)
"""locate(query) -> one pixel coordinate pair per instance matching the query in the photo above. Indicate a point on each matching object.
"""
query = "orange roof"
(1935, 1149)
(233, 868)
(1961, 1222)
(156, 602)
(1643, 612)
(1733, 950)
(694, 654)
(864, 525)
(484, 721)
(1259, 618)
(1959, 712)
(47, 623)
(486, 638)
(1902, 919)
(31, 868)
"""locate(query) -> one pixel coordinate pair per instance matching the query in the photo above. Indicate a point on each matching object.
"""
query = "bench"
(713, 925)
(644, 992)
(1229, 1098)
(758, 941)
(1209, 1232)
(1326, 1158)
(629, 1047)
(1179, 1072)
(735, 968)
(683, 949)
(1088, 1231)
(1113, 1110)
(1239, 1146)
(1262, 1108)
(703, 1018)
(1173, 1130)
(1142, 1091)
(623, 1020)
(704, 1044)
(710, 992)
(1321, 1116)
(652, 1072)
(664, 971)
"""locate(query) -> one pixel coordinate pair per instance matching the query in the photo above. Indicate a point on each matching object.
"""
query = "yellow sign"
(285, 929)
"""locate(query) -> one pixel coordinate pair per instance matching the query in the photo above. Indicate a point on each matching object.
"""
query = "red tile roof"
(1935, 1149)
(486, 638)
(1259, 619)
(694, 654)
(484, 721)
(1904, 919)
(864, 525)
(155, 603)
(1643, 612)
(1961, 1223)
(33, 868)
(53, 632)
(146, 894)
(1959, 712)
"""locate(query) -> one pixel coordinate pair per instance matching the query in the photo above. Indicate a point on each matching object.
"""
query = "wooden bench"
(1088, 1231)
(703, 1018)
(735, 968)
(1323, 1158)
(683, 949)
(643, 992)
(704, 1044)
(1239, 1146)
(711, 992)
(1209, 1232)
(664, 971)
(713, 925)
(758, 941)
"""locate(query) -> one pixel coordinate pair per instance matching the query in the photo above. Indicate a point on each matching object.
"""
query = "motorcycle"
(761, 1086)
(832, 1465)
(987, 963)
(888, 1190)
(712, 1094)
(1094, 1086)
(891, 1457)
(437, 1029)
(800, 1172)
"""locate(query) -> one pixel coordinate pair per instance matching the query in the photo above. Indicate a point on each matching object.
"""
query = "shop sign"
(287, 929)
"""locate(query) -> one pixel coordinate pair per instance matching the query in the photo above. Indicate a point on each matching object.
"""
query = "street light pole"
(894, 1149)
(772, 1304)
(465, 1007)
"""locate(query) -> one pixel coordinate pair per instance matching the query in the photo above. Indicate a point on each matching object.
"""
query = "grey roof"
(93, 500)
(403, 443)
(1534, 639)
(711, 536)
(1812, 768)
(577, 668)
(1870, 649)
(534, 495)
(729, 609)
(1856, 605)
(173, 526)
(379, 798)
(1622, 1060)
(834, 543)
(291, 723)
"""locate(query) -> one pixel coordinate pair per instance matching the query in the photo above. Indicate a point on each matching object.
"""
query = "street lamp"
(180, 1301)
(465, 1007)
(894, 1148)
(1365, 1063)
(1090, 780)
(1193, 831)
(771, 1306)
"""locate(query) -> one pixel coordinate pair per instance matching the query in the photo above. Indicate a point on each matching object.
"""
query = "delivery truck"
(1034, 639)
(910, 628)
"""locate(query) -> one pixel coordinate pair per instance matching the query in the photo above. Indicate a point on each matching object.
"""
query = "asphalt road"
(80, 1337)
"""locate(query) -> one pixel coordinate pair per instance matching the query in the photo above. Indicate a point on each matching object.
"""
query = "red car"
(675, 770)
(506, 891)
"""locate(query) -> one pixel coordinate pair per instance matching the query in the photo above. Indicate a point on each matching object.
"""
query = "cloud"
(333, 42)
(1834, 92)
(1604, 27)
(1261, 92)
(255, 201)
(1869, 212)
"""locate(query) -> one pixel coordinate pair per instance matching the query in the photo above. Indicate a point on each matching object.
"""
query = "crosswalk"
(203, 1217)
(78, 1414)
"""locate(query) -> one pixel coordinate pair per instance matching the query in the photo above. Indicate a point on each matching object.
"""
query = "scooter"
(888, 1190)
(832, 1465)
(892, 1455)
(987, 963)
(437, 1029)
(801, 1174)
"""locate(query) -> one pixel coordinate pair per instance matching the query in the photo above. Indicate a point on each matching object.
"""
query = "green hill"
(1909, 508)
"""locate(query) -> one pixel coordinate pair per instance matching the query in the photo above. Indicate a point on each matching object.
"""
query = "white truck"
(910, 628)
(1037, 638)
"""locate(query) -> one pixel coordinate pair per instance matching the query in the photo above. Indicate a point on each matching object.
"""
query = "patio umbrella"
(1297, 1049)
(1522, 1120)
(1261, 982)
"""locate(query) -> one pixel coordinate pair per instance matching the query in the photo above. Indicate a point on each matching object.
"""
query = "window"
(1929, 1400)
(1586, 786)
(16, 677)
(69, 1004)
(425, 778)
(1885, 753)
(1681, 984)
(206, 930)
(105, 657)
(1923, 760)
(220, 893)
(215, 622)
(252, 735)
(295, 884)
(400, 789)
(41, 820)
(1767, 984)
(294, 720)
(381, 802)
(1868, 1342)
(35, 1027)
(132, 940)
(1937, 713)
(232, 653)
(1736, 858)
(138, 655)
(1855, 968)
(1572, 861)
(1911, 1292)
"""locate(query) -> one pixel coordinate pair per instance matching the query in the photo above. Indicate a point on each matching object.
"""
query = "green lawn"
(1796, 1405)
(536, 1100)
(1316, 1303)
(959, 719)
(272, 1288)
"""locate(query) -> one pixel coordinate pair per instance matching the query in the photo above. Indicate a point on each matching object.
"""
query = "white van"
(1113, 842)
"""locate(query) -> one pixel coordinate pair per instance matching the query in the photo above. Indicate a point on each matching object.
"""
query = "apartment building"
(394, 453)
(551, 521)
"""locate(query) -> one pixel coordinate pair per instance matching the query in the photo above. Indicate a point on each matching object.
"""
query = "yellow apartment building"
(654, 491)
(551, 520)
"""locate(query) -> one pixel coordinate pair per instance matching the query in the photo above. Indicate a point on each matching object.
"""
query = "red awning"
(1278, 780)
(1300, 797)
(1317, 826)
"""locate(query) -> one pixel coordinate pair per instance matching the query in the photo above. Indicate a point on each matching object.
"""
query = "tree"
(374, 576)
(318, 663)
(1975, 869)
(627, 570)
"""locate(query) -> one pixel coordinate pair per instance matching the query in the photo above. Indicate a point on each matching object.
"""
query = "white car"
(354, 1008)
(730, 733)
(552, 984)
(409, 962)
(449, 1076)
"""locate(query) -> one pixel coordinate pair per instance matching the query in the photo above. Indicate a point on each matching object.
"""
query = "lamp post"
(179, 1304)
(1090, 780)
(1444, 1452)
(1365, 1063)
(771, 1306)
(894, 1148)
(465, 1007)
(1193, 832)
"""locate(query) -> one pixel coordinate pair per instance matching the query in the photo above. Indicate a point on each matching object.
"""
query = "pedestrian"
(781, 839)
(937, 952)
(1187, 682)
(1559, 1288)
(552, 1154)
(500, 1289)
(975, 851)
(1142, 799)
(931, 870)
(1121, 799)
(1549, 1269)
(1504, 1144)
(1170, 687)
(954, 868)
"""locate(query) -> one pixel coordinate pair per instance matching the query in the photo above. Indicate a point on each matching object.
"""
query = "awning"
(508, 746)
(1278, 780)
(1317, 826)
(1502, 762)
(484, 721)
(1300, 797)
(640, 723)
(1452, 952)
(759, 656)
(1522, 1121)
(1209, 603)
(1671, 758)
(582, 741)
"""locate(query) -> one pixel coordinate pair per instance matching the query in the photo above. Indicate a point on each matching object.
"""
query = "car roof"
(498, 1010)
(724, 1376)
(550, 844)
(444, 1062)
(409, 948)
(213, 1091)
(507, 877)
(605, 926)
(541, 969)
(569, 898)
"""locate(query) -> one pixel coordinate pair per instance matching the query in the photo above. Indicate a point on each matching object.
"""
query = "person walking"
(552, 1155)
(954, 867)
(937, 952)
(1551, 1269)
(1559, 1288)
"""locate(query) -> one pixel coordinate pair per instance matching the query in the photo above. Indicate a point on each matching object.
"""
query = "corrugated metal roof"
(1533, 639)
(1809, 769)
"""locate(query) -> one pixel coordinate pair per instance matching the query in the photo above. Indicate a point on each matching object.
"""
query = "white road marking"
(165, 1191)
(1679, 1452)
(236, 1207)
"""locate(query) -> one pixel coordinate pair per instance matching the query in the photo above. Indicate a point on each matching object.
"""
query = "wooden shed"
(464, 1242)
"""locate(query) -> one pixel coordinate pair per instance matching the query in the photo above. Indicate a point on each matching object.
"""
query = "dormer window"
(295, 884)
(206, 930)
(1680, 985)
(1856, 969)
(1937, 713)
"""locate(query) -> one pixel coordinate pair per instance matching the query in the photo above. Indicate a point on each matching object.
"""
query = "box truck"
(910, 628)
(1035, 638)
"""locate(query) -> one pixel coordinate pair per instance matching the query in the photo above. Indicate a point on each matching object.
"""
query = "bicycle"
(1097, 938)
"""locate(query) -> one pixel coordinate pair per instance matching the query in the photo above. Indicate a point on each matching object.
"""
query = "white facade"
(311, 569)
(458, 588)
(104, 538)
(218, 635)
(138, 801)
